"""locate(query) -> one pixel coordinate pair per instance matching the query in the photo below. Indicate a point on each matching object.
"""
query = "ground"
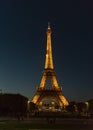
(47, 123)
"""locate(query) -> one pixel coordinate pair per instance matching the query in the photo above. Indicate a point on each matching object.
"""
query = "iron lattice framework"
(55, 92)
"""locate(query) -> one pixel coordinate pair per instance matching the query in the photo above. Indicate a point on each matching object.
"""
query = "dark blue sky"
(23, 26)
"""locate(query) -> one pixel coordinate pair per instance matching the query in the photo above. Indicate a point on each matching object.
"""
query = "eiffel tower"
(55, 92)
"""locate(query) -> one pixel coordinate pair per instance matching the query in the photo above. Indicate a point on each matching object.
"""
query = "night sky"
(23, 26)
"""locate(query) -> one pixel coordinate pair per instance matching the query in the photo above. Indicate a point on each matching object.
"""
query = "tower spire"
(48, 25)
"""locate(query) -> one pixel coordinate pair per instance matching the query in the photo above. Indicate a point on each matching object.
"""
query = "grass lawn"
(24, 125)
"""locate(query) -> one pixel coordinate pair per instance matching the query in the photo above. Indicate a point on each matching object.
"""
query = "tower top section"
(49, 58)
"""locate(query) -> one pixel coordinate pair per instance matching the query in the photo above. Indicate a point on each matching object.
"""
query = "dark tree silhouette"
(32, 106)
(90, 106)
(71, 107)
(12, 104)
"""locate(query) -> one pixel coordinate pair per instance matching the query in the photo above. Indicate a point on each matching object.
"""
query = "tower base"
(55, 95)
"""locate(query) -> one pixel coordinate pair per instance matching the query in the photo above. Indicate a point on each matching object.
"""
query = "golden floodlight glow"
(49, 73)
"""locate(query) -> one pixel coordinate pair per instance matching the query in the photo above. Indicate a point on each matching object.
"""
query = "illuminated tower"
(55, 91)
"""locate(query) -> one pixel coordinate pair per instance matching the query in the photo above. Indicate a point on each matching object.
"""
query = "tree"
(12, 104)
(32, 107)
(90, 106)
(71, 107)
(81, 107)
